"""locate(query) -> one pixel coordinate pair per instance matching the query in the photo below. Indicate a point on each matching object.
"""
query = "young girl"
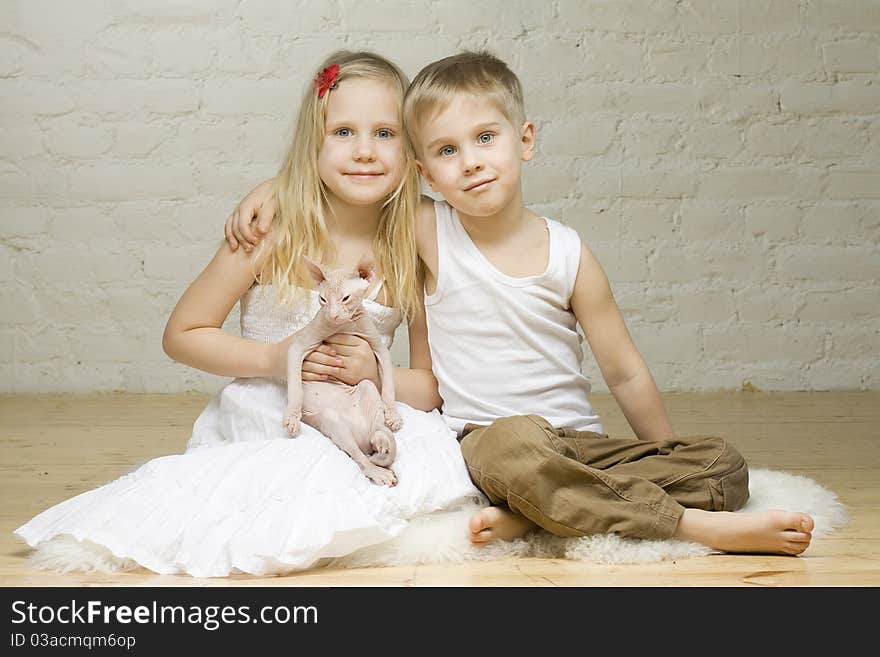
(245, 497)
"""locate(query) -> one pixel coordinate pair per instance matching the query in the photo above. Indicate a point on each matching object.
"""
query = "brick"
(848, 304)
(852, 55)
(119, 51)
(615, 15)
(551, 181)
(710, 221)
(649, 220)
(670, 344)
(837, 375)
(835, 223)
(612, 59)
(830, 139)
(653, 99)
(773, 222)
(685, 265)
(853, 344)
(182, 263)
(825, 98)
(764, 343)
(68, 138)
(765, 302)
(185, 52)
(853, 184)
(719, 140)
(132, 182)
(750, 57)
(706, 307)
(26, 222)
(644, 306)
(137, 97)
(170, 12)
(87, 224)
(7, 349)
(17, 308)
(564, 137)
(676, 60)
(6, 270)
(594, 220)
(408, 16)
(845, 16)
(24, 139)
(653, 139)
(821, 263)
(775, 140)
(758, 183)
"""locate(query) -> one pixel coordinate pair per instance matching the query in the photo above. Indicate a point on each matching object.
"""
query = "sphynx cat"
(358, 419)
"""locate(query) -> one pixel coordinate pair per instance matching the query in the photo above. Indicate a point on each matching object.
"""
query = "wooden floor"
(53, 447)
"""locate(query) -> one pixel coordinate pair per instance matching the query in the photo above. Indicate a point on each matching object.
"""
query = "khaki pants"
(577, 483)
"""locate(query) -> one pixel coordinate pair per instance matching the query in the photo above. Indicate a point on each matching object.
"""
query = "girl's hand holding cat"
(344, 357)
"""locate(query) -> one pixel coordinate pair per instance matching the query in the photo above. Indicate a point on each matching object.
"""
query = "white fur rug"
(441, 537)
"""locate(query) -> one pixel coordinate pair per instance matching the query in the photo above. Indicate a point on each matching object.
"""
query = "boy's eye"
(446, 151)
(485, 138)
(384, 134)
(346, 298)
(343, 132)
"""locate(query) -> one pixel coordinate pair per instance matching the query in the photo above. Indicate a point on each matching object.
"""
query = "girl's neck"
(353, 222)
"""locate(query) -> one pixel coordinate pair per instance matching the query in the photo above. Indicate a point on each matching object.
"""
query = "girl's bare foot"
(765, 532)
(497, 523)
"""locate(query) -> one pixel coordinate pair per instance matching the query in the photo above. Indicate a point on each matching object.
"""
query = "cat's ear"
(366, 268)
(317, 272)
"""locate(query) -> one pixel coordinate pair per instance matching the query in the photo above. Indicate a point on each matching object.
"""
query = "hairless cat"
(358, 419)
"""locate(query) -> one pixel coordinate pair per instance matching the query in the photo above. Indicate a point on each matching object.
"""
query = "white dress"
(245, 497)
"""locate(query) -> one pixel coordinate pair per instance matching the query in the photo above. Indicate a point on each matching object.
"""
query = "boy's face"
(471, 154)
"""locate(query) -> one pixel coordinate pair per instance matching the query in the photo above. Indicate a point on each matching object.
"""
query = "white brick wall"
(722, 158)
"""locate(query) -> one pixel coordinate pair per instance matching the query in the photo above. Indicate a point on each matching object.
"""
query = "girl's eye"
(322, 299)
(384, 134)
(446, 151)
(346, 298)
(485, 138)
(343, 132)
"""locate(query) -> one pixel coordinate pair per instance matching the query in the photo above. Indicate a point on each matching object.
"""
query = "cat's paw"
(392, 418)
(292, 418)
(380, 475)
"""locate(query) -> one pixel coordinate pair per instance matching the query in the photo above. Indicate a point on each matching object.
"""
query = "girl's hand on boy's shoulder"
(259, 204)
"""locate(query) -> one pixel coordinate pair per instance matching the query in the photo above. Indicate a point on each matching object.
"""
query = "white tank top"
(503, 346)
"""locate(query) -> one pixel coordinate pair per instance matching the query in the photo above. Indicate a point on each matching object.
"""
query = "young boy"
(504, 291)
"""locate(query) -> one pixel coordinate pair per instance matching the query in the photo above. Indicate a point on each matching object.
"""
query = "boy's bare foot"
(497, 523)
(765, 532)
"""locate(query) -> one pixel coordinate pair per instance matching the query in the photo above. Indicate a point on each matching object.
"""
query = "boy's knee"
(729, 482)
(508, 444)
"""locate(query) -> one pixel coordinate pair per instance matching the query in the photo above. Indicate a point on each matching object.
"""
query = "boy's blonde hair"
(473, 73)
(300, 224)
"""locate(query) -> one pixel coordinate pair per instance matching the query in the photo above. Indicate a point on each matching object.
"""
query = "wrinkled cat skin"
(358, 419)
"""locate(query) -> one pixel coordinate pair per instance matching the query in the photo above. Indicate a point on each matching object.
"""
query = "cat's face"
(341, 295)
(341, 291)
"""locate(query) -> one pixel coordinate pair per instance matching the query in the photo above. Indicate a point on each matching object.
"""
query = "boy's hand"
(344, 357)
(259, 204)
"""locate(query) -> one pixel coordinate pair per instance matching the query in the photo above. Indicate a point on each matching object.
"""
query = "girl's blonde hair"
(300, 224)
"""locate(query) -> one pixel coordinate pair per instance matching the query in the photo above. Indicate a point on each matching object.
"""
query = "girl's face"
(361, 160)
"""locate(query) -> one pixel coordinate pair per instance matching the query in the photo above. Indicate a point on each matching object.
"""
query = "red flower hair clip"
(326, 79)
